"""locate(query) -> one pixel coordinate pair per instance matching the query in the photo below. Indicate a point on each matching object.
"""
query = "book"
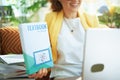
(12, 59)
(36, 47)
(12, 71)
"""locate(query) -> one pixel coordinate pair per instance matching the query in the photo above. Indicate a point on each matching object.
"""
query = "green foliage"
(111, 20)
(37, 5)
(26, 9)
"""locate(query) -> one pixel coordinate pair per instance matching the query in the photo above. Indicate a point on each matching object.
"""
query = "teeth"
(74, 4)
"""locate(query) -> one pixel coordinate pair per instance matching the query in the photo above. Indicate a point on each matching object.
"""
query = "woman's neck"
(70, 15)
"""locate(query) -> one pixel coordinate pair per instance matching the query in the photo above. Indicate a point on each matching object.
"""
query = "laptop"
(102, 54)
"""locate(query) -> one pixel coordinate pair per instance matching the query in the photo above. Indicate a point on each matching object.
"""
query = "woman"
(66, 25)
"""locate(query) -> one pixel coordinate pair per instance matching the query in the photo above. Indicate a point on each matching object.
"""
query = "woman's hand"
(41, 73)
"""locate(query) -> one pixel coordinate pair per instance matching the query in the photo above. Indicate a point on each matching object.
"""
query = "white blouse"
(70, 48)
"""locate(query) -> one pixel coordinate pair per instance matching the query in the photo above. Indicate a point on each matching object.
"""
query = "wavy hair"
(56, 6)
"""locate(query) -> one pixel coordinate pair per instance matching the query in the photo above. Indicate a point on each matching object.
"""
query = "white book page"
(12, 58)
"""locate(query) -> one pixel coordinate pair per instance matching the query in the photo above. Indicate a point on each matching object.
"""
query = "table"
(23, 78)
(71, 78)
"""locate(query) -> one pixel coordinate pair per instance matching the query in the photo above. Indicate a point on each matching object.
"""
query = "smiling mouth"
(75, 4)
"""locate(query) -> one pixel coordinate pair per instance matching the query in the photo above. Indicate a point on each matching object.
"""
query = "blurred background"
(14, 12)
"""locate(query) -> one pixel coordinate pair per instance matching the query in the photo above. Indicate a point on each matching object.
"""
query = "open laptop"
(102, 54)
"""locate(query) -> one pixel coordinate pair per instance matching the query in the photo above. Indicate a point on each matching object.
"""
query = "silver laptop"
(102, 54)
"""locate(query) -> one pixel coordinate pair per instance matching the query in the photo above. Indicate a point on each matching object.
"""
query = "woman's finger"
(32, 75)
(44, 71)
(41, 73)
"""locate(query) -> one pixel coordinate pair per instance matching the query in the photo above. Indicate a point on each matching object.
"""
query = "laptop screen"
(102, 54)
